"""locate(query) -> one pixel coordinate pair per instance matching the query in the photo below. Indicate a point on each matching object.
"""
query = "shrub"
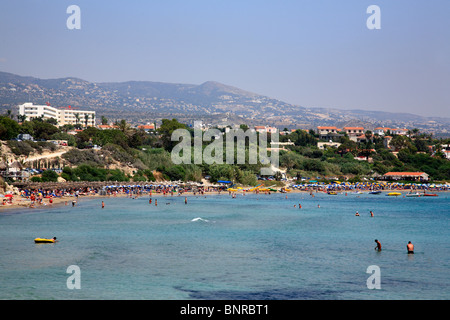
(49, 176)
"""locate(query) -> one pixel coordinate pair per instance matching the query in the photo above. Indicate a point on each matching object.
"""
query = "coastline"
(19, 202)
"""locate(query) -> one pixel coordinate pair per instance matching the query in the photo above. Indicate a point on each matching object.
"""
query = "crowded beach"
(49, 194)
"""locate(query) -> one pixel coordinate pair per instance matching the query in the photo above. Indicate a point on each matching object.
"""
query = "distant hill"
(212, 102)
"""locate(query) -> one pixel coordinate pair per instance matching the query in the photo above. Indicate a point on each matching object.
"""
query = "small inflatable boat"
(42, 240)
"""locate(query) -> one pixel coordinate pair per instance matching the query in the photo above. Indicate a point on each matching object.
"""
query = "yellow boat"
(395, 194)
(42, 240)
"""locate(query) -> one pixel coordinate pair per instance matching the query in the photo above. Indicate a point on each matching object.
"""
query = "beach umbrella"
(8, 195)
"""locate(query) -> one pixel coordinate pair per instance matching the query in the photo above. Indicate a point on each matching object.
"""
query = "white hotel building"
(62, 115)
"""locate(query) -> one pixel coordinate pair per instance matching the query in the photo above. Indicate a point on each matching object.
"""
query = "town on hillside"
(42, 143)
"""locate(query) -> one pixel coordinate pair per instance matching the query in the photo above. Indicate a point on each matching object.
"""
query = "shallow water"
(216, 247)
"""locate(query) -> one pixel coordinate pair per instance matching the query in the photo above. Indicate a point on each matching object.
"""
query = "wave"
(199, 219)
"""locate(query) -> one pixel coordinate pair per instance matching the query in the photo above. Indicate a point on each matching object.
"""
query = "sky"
(315, 53)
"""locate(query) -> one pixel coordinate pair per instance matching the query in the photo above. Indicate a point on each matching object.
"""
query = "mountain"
(212, 102)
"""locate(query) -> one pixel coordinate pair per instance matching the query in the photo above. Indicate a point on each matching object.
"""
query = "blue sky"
(316, 53)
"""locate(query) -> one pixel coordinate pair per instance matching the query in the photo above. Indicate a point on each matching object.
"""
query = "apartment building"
(62, 115)
(353, 132)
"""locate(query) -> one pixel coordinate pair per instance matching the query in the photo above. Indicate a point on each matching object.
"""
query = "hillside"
(212, 102)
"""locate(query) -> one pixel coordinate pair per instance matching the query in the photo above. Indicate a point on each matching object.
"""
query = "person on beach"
(378, 247)
(410, 248)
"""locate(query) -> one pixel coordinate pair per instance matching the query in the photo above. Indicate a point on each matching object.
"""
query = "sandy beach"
(20, 202)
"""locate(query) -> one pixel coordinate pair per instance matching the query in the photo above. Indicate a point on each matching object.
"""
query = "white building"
(62, 115)
(326, 130)
(324, 145)
(264, 129)
(399, 131)
(353, 132)
(381, 131)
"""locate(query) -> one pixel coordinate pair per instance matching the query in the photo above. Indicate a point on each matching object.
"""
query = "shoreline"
(19, 202)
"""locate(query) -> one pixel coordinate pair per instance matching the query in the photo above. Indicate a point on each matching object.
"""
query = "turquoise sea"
(253, 247)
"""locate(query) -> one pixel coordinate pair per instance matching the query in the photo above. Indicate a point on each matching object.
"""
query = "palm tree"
(86, 119)
(77, 117)
(21, 117)
(123, 126)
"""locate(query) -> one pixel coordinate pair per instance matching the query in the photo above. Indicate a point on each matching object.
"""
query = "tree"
(104, 120)
(368, 135)
(400, 142)
(51, 121)
(43, 130)
(77, 118)
(166, 129)
(21, 118)
(9, 128)
(49, 176)
(123, 126)
(86, 119)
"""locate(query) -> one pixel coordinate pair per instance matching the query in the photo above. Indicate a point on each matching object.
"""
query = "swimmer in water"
(371, 213)
(410, 248)
(357, 214)
(378, 247)
(103, 204)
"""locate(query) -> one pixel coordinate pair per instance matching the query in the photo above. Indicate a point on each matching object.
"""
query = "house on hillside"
(329, 133)
(146, 127)
(398, 131)
(416, 176)
(106, 127)
(353, 132)
(381, 131)
(326, 130)
(265, 129)
(14, 171)
(324, 145)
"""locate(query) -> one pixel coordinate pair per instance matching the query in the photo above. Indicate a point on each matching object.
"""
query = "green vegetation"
(146, 153)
